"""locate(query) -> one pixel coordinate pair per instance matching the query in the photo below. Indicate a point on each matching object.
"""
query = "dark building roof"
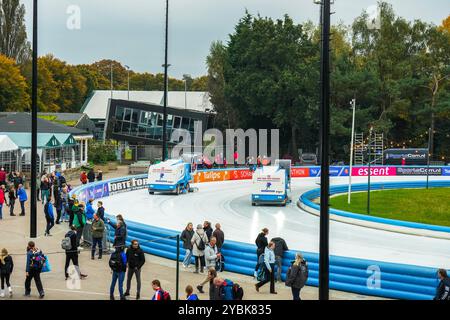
(21, 122)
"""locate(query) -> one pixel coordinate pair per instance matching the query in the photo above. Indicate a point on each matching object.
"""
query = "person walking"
(79, 220)
(199, 240)
(70, 204)
(22, 195)
(118, 265)
(99, 175)
(45, 189)
(120, 233)
(280, 248)
(6, 269)
(186, 237)
(261, 243)
(57, 202)
(297, 275)
(97, 230)
(220, 237)
(2, 176)
(91, 176)
(135, 259)
(211, 258)
(160, 294)
(12, 200)
(35, 263)
(208, 230)
(443, 288)
(64, 195)
(49, 217)
(83, 177)
(190, 295)
(2, 200)
(269, 265)
(72, 253)
(100, 210)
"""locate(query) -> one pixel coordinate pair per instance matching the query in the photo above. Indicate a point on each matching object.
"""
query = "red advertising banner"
(299, 172)
(374, 171)
(240, 174)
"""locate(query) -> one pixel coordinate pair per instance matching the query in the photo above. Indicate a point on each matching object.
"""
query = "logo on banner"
(418, 171)
(446, 172)
(268, 185)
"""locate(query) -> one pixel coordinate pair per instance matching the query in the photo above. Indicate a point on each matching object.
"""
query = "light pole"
(111, 80)
(128, 73)
(369, 167)
(185, 78)
(428, 157)
(166, 85)
(353, 104)
(34, 88)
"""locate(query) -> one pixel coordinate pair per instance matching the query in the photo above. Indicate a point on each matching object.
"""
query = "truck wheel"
(151, 192)
(253, 204)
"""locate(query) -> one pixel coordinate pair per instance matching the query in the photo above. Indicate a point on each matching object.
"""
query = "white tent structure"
(9, 154)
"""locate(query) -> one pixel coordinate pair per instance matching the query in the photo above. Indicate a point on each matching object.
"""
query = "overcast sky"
(132, 31)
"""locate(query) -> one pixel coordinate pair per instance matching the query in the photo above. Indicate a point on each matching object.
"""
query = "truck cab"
(271, 184)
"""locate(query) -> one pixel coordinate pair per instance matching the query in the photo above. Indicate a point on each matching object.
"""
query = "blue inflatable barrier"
(360, 276)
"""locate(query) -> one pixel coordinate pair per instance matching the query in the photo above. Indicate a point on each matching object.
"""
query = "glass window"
(160, 120)
(119, 113)
(126, 128)
(127, 116)
(185, 123)
(169, 120)
(176, 122)
(135, 116)
(153, 119)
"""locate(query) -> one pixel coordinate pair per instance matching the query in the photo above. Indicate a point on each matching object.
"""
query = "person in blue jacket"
(225, 288)
(22, 195)
(49, 216)
(90, 210)
(190, 295)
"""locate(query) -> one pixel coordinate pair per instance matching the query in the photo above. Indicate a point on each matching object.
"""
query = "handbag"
(47, 267)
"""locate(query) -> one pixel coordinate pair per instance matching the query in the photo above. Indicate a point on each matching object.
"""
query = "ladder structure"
(359, 148)
(376, 149)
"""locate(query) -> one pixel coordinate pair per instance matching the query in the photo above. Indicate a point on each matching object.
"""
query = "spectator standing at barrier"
(49, 217)
(160, 294)
(280, 248)
(97, 230)
(2, 200)
(220, 237)
(261, 244)
(35, 263)
(100, 210)
(99, 175)
(269, 265)
(70, 204)
(22, 195)
(118, 265)
(186, 237)
(83, 177)
(45, 189)
(297, 275)
(79, 220)
(190, 295)
(6, 269)
(443, 289)
(90, 210)
(120, 233)
(12, 200)
(91, 176)
(208, 229)
(199, 241)
(69, 244)
(2, 176)
(211, 258)
(136, 260)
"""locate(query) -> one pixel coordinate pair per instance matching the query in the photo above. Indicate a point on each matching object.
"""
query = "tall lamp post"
(128, 74)
(185, 78)
(353, 104)
(166, 84)
(369, 167)
(324, 258)
(34, 87)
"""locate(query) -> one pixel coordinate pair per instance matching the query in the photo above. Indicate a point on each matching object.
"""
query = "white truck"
(173, 176)
(271, 184)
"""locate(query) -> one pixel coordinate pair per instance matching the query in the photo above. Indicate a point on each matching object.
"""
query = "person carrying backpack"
(79, 220)
(297, 275)
(261, 243)
(35, 263)
(49, 216)
(69, 244)
(211, 257)
(160, 294)
(199, 240)
(118, 265)
(443, 289)
(269, 265)
(225, 288)
(6, 269)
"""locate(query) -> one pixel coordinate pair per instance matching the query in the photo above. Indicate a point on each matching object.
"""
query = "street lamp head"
(127, 67)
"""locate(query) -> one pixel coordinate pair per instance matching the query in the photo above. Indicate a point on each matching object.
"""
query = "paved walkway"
(14, 233)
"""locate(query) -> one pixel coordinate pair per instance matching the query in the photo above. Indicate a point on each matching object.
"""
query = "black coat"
(297, 275)
(261, 243)
(101, 213)
(135, 257)
(220, 236)
(186, 237)
(91, 176)
(73, 242)
(280, 246)
(442, 291)
(208, 232)
(8, 265)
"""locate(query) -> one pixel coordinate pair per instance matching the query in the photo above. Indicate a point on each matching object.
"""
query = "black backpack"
(115, 262)
(238, 292)
(201, 246)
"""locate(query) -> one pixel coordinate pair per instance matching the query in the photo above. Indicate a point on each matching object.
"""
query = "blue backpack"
(37, 261)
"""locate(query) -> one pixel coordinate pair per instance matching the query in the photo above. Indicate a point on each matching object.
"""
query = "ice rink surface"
(229, 204)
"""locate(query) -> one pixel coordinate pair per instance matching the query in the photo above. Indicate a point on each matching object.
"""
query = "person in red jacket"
(2, 176)
(83, 177)
(2, 199)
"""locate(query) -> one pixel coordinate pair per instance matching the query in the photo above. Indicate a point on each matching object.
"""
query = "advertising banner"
(299, 172)
(127, 185)
(334, 171)
(211, 176)
(241, 174)
(418, 171)
(446, 171)
(374, 171)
